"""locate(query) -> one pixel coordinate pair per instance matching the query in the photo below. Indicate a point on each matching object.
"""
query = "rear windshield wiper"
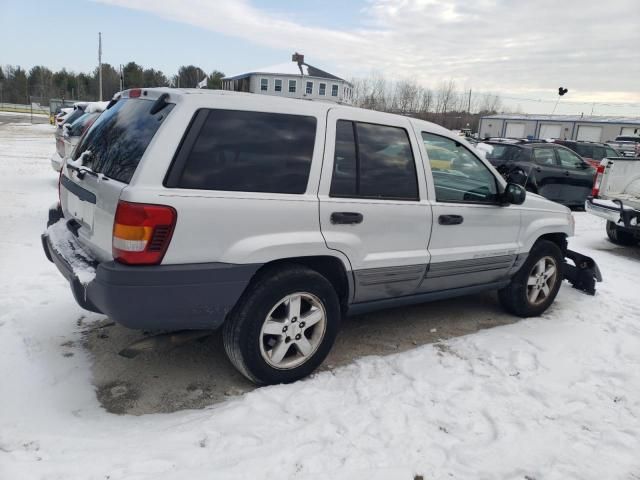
(159, 104)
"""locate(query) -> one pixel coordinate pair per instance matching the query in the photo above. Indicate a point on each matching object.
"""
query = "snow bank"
(63, 241)
(554, 398)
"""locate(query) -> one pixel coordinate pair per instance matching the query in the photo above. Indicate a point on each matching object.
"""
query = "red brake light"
(597, 181)
(135, 93)
(142, 232)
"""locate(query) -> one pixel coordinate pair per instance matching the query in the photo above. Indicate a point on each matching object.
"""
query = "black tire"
(619, 236)
(515, 296)
(242, 337)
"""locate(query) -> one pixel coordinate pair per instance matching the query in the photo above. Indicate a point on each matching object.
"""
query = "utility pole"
(469, 108)
(100, 64)
(121, 78)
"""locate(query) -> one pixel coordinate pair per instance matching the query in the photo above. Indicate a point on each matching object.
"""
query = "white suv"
(272, 218)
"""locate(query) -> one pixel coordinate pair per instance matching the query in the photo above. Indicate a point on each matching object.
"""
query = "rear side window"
(506, 153)
(544, 156)
(584, 150)
(119, 137)
(373, 161)
(244, 151)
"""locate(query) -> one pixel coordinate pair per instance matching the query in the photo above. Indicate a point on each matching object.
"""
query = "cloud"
(493, 45)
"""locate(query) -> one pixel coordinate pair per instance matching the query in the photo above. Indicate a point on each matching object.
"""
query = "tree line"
(41, 84)
(446, 104)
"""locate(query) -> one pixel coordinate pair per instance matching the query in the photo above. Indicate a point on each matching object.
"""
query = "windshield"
(119, 137)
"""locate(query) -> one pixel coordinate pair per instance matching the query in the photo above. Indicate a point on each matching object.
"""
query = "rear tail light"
(142, 232)
(597, 181)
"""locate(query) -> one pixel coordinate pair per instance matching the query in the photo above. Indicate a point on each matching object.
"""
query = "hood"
(538, 202)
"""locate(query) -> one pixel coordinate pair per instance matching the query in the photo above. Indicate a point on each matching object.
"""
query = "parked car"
(61, 117)
(70, 134)
(592, 152)
(627, 145)
(271, 218)
(548, 169)
(616, 198)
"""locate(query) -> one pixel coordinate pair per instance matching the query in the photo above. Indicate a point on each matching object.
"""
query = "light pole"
(100, 64)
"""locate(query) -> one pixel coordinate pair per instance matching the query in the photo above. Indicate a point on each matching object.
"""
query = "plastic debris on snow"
(63, 241)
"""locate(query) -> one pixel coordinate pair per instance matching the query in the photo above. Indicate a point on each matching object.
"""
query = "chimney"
(299, 58)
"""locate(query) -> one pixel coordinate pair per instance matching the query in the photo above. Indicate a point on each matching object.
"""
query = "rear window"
(119, 137)
(503, 152)
(73, 116)
(245, 151)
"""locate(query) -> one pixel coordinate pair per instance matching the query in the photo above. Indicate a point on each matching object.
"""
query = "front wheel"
(283, 326)
(619, 236)
(536, 284)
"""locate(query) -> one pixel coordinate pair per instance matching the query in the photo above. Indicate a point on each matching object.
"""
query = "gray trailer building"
(566, 127)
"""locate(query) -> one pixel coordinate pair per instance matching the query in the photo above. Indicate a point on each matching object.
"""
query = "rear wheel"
(619, 236)
(283, 326)
(536, 284)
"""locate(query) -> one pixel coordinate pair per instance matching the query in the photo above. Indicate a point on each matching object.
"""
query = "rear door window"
(568, 159)
(119, 137)
(373, 161)
(545, 156)
(244, 151)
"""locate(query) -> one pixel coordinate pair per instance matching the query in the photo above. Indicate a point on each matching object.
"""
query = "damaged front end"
(583, 274)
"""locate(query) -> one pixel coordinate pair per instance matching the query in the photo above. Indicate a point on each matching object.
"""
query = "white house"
(295, 79)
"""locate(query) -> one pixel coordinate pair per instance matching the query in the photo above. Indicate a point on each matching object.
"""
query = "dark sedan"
(548, 169)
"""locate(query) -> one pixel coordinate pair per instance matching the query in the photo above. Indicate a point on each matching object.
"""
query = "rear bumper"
(614, 211)
(162, 297)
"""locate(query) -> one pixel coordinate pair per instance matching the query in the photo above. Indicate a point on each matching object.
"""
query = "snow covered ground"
(556, 397)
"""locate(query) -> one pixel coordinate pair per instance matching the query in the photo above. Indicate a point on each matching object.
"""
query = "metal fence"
(34, 108)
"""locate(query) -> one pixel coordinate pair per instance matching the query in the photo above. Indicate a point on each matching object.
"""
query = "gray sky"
(522, 49)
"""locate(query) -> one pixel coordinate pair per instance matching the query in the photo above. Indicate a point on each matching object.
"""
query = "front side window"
(244, 151)
(568, 159)
(292, 86)
(264, 84)
(544, 156)
(322, 89)
(334, 90)
(373, 161)
(309, 88)
(277, 85)
(458, 175)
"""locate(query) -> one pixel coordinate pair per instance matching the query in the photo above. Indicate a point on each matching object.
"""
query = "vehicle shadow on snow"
(198, 374)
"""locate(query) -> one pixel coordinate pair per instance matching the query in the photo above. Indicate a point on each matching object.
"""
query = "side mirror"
(514, 194)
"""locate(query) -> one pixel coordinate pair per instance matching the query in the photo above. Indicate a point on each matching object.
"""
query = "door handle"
(450, 219)
(538, 169)
(567, 173)
(346, 218)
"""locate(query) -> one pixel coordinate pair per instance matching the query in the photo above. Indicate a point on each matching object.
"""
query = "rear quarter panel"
(232, 227)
